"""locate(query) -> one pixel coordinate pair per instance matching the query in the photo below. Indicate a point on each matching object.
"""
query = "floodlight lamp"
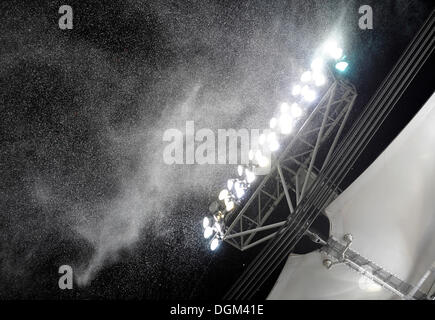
(263, 162)
(272, 141)
(262, 139)
(240, 191)
(251, 155)
(229, 205)
(205, 222)
(214, 244)
(286, 124)
(341, 66)
(317, 64)
(223, 194)
(296, 110)
(296, 90)
(284, 107)
(258, 155)
(310, 95)
(319, 79)
(273, 145)
(272, 123)
(240, 170)
(306, 76)
(250, 176)
(214, 206)
(330, 46)
(337, 54)
(230, 184)
(208, 232)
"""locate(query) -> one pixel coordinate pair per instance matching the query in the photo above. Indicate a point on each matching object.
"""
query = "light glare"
(296, 90)
(250, 176)
(205, 222)
(229, 205)
(284, 107)
(286, 124)
(240, 169)
(251, 155)
(317, 64)
(214, 244)
(230, 184)
(240, 191)
(262, 139)
(341, 66)
(306, 76)
(272, 123)
(223, 194)
(296, 111)
(208, 232)
(310, 95)
(319, 79)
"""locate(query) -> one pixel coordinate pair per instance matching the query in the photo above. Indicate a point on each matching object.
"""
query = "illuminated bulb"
(272, 123)
(214, 244)
(310, 95)
(317, 64)
(272, 141)
(305, 90)
(306, 76)
(240, 169)
(330, 46)
(223, 194)
(296, 90)
(229, 205)
(273, 145)
(230, 184)
(250, 176)
(295, 110)
(337, 53)
(258, 155)
(284, 107)
(262, 139)
(208, 232)
(264, 162)
(251, 155)
(205, 222)
(240, 191)
(319, 79)
(341, 66)
(333, 50)
(271, 137)
(286, 124)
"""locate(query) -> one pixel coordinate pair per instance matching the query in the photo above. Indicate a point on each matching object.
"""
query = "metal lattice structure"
(341, 253)
(294, 169)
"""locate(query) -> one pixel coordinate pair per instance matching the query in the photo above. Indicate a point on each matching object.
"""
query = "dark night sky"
(84, 110)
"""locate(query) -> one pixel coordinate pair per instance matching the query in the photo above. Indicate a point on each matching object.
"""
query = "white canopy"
(389, 210)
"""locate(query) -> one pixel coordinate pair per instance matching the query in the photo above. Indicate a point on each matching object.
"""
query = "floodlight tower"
(304, 133)
(294, 169)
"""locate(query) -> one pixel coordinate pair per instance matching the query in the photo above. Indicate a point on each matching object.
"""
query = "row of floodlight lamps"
(281, 125)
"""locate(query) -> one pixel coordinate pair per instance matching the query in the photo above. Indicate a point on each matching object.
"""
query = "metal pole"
(316, 148)
(284, 185)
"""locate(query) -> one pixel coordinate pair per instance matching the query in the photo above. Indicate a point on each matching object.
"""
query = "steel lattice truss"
(294, 169)
(341, 253)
